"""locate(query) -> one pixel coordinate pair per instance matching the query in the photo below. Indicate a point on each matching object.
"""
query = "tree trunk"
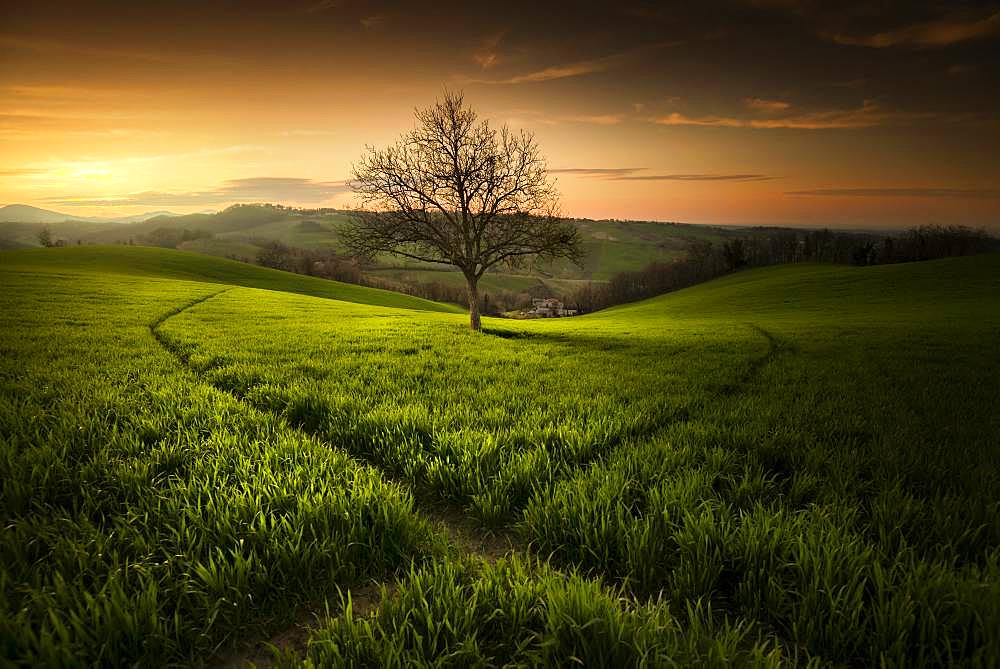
(473, 304)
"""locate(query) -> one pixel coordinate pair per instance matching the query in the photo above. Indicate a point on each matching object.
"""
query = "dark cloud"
(696, 177)
(766, 106)
(488, 53)
(322, 6)
(577, 68)
(634, 174)
(257, 189)
(900, 192)
(605, 172)
(283, 188)
(939, 32)
(869, 115)
(773, 50)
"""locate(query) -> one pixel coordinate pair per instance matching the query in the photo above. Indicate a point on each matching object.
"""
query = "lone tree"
(455, 191)
(45, 238)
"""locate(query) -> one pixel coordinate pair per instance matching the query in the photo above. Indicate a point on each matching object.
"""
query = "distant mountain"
(139, 218)
(23, 213)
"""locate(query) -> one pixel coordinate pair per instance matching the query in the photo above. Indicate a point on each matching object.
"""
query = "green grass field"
(155, 263)
(793, 465)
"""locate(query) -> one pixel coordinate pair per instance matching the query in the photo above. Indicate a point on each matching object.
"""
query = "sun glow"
(170, 117)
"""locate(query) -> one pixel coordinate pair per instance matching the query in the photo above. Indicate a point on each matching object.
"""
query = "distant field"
(610, 246)
(491, 281)
(784, 466)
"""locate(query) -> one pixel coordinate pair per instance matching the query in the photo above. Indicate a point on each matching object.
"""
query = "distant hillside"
(610, 246)
(935, 290)
(23, 213)
(179, 265)
(71, 232)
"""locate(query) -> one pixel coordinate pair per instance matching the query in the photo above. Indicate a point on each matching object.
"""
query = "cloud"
(282, 188)
(486, 59)
(85, 165)
(322, 6)
(766, 106)
(19, 171)
(566, 71)
(937, 33)
(535, 116)
(869, 115)
(373, 21)
(633, 174)
(44, 46)
(50, 111)
(604, 172)
(488, 54)
(575, 69)
(900, 192)
(696, 177)
(257, 189)
(307, 132)
(594, 119)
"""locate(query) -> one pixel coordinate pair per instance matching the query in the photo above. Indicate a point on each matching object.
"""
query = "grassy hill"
(912, 292)
(169, 264)
(791, 465)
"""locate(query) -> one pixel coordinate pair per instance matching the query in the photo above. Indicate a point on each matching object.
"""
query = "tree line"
(706, 260)
(171, 238)
(323, 263)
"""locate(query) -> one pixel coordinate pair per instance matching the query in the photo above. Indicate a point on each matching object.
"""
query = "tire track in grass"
(461, 532)
(775, 348)
(184, 307)
(154, 326)
(460, 528)
(294, 639)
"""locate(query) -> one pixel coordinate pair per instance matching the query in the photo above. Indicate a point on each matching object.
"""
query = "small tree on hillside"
(45, 238)
(455, 191)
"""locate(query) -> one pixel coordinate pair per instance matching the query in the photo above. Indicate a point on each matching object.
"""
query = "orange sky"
(756, 112)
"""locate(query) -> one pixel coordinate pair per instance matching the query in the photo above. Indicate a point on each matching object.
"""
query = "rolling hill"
(238, 232)
(791, 464)
(819, 294)
(22, 213)
(154, 263)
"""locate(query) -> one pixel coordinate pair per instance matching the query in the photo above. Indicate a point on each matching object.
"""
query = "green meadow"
(797, 465)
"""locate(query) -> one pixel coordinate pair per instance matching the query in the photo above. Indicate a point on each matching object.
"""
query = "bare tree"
(455, 191)
(45, 238)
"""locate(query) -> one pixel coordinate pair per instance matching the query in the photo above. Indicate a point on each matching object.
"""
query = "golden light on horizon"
(275, 105)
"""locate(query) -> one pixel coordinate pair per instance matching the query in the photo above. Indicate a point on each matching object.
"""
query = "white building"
(549, 307)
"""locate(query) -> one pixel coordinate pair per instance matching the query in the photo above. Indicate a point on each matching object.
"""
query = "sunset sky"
(745, 112)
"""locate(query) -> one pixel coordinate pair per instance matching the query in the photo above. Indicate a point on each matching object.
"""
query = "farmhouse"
(549, 307)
